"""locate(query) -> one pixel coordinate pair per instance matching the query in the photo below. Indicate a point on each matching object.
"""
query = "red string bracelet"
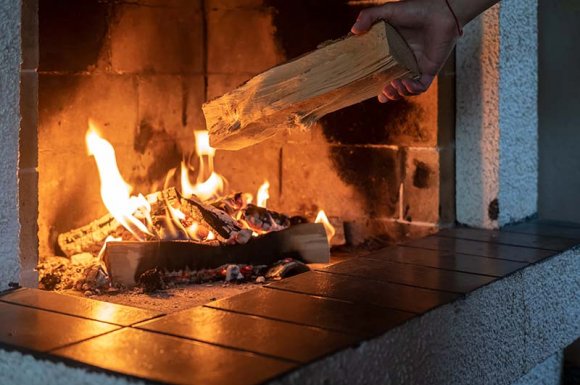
(459, 29)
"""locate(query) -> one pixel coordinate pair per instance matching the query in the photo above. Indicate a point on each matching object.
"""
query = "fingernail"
(382, 98)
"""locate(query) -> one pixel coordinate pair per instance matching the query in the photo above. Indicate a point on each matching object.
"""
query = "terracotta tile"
(259, 335)
(173, 360)
(330, 314)
(482, 249)
(79, 306)
(365, 291)
(449, 261)
(412, 275)
(41, 330)
(508, 238)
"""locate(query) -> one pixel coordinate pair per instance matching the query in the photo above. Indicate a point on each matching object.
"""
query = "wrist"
(460, 11)
(457, 21)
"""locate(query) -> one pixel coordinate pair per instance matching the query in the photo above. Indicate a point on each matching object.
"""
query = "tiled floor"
(261, 334)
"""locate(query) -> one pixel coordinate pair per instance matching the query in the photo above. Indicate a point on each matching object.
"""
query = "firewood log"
(126, 261)
(91, 238)
(298, 93)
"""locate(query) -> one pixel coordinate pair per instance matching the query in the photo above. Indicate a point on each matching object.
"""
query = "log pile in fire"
(188, 233)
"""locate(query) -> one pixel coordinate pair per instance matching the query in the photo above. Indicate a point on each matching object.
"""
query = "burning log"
(91, 238)
(262, 220)
(298, 93)
(126, 261)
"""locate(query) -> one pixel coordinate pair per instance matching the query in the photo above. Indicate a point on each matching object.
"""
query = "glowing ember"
(263, 195)
(115, 192)
(322, 218)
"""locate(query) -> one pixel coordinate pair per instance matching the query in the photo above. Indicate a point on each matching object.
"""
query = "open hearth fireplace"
(186, 233)
(130, 196)
(144, 240)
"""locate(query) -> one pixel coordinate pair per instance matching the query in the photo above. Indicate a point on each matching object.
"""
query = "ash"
(86, 275)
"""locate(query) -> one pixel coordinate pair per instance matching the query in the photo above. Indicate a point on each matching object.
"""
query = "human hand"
(429, 28)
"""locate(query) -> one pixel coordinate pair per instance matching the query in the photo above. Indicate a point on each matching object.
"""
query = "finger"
(382, 98)
(401, 89)
(418, 86)
(367, 17)
(391, 93)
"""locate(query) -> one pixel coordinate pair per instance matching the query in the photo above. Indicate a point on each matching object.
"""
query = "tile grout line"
(463, 238)
(78, 316)
(359, 278)
(436, 268)
(209, 306)
(234, 348)
(365, 303)
(484, 256)
(52, 351)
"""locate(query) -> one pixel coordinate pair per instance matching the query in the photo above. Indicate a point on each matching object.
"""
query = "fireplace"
(141, 71)
(462, 306)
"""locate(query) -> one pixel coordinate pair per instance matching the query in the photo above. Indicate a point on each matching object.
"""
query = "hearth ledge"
(494, 335)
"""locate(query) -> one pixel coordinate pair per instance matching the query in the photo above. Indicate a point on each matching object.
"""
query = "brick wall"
(143, 68)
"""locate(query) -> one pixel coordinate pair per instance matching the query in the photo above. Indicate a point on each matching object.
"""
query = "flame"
(115, 192)
(330, 230)
(208, 188)
(202, 146)
(211, 188)
(263, 195)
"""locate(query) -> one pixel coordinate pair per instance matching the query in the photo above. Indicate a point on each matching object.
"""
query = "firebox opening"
(141, 71)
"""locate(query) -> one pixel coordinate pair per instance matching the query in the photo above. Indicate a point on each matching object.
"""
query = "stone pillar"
(9, 127)
(497, 120)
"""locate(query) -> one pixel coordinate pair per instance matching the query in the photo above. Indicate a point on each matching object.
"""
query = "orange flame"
(208, 188)
(115, 192)
(330, 230)
(263, 195)
(211, 188)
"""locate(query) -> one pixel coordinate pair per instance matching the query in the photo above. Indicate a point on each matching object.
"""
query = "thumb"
(367, 17)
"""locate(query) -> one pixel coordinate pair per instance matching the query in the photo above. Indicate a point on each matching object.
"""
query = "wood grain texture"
(296, 94)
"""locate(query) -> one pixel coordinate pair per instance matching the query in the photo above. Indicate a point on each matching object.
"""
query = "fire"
(115, 192)
(322, 218)
(211, 188)
(206, 189)
(263, 195)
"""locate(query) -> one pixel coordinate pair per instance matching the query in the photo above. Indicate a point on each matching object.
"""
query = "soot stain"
(72, 33)
(422, 175)
(301, 25)
(493, 210)
(374, 172)
(163, 148)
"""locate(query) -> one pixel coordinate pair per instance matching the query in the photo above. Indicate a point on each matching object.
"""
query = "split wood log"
(298, 93)
(126, 261)
(91, 238)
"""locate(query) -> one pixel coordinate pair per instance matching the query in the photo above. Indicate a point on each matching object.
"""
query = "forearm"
(467, 10)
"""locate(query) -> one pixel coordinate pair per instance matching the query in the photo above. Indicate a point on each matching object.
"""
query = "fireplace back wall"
(142, 69)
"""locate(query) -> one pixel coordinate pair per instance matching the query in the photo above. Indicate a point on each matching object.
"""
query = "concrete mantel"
(497, 119)
(9, 128)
